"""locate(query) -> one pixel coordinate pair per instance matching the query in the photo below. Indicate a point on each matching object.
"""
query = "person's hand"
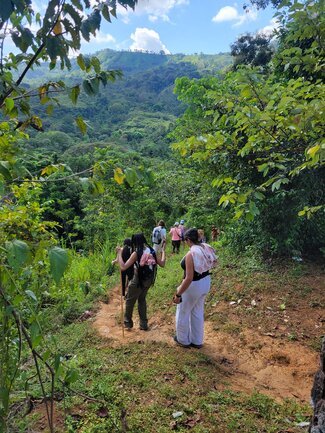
(177, 299)
(118, 249)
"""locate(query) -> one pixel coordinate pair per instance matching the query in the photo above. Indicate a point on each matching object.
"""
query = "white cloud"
(268, 30)
(227, 13)
(230, 13)
(102, 38)
(147, 40)
(156, 9)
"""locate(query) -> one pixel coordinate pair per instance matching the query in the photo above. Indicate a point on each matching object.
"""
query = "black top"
(196, 276)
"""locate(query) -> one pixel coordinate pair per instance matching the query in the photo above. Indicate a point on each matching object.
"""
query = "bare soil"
(255, 351)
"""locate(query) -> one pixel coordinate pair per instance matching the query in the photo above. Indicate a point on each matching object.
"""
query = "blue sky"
(181, 26)
(175, 26)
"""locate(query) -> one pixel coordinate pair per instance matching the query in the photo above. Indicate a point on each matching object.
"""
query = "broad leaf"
(119, 176)
(81, 125)
(58, 262)
(18, 254)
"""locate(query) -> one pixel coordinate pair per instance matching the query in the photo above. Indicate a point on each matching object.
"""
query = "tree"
(253, 50)
(28, 244)
(262, 137)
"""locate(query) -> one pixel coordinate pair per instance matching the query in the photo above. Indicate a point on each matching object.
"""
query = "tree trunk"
(318, 396)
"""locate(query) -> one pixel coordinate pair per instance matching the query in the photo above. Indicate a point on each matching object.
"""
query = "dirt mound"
(277, 368)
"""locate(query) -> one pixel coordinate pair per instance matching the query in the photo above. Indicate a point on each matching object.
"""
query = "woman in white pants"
(190, 295)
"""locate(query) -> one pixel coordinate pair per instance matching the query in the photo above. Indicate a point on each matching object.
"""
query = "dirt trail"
(274, 367)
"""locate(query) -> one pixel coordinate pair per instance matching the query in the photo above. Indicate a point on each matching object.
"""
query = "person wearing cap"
(176, 237)
(182, 231)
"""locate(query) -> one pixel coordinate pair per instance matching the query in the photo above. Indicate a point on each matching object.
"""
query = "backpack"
(156, 236)
(147, 270)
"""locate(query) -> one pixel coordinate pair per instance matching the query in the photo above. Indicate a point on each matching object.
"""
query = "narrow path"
(274, 367)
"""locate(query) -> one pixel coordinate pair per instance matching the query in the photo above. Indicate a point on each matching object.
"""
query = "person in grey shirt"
(159, 234)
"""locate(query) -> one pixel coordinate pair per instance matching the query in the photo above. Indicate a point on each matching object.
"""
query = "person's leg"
(183, 312)
(201, 289)
(132, 295)
(174, 246)
(123, 282)
(178, 243)
(142, 309)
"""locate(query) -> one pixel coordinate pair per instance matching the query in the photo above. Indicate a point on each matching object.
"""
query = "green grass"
(146, 383)
(151, 382)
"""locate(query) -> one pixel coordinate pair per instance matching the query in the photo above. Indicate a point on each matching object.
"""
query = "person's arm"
(187, 280)
(128, 263)
(161, 259)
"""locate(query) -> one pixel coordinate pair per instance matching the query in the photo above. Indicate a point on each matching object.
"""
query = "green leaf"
(18, 254)
(131, 176)
(7, 7)
(35, 334)
(81, 62)
(246, 92)
(10, 103)
(96, 64)
(81, 125)
(97, 187)
(4, 398)
(74, 94)
(58, 262)
(106, 14)
(4, 169)
(31, 294)
(71, 376)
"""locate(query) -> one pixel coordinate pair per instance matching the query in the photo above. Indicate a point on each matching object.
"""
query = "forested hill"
(136, 112)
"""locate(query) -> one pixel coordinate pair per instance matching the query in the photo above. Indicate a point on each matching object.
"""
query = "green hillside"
(137, 111)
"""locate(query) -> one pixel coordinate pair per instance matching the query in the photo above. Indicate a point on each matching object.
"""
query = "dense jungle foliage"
(100, 147)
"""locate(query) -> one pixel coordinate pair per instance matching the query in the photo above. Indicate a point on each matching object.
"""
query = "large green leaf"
(81, 125)
(18, 254)
(4, 169)
(131, 176)
(58, 262)
(6, 9)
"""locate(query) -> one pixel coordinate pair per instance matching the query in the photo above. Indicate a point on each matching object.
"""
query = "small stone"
(303, 424)
(177, 414)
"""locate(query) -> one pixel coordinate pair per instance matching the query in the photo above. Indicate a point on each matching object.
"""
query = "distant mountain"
(136, 112)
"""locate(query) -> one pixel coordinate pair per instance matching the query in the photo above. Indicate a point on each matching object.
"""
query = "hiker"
(126, 275)
(182, 231)
(159, 236)
(202, 238)
(191, 293)
(144, 262)
(214, 233)
(176, 237)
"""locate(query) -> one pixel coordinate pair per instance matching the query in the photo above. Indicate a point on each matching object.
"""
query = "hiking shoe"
(128, 326)
(185, 346)
(144, 328)
(196, 346)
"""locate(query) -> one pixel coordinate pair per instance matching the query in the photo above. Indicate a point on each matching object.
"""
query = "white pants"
(190, 312)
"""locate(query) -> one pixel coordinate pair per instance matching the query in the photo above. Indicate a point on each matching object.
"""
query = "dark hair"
(192, 235)
(126, 251)
(138, 243)
(127, 242)
(161, 223)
